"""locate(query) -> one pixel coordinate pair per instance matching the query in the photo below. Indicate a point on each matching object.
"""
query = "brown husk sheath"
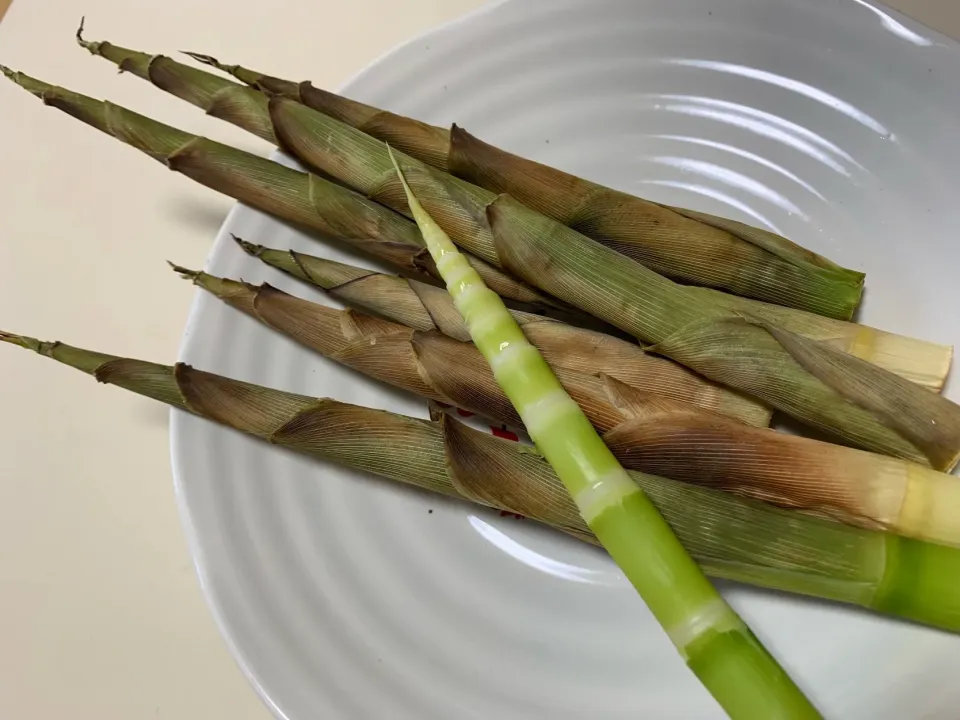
(685, 245)
(428, 363)
(715, 341)
(730, 537)
(646, 431)
(304, 199)
(428, 308)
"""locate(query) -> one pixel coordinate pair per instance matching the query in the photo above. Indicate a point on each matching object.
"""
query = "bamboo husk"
(646, 431)
(685, 245)
(921, 362)
(437, 367)
(859, 406)
(304, 199)
(860, 488)
(427, 308)
(730, 537)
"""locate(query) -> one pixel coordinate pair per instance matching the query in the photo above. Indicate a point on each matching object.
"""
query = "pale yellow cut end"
(912, 500)
(919, 361)
(931, 506)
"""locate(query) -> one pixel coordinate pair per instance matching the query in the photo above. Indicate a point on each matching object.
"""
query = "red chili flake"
(464, 413)
(502, 432)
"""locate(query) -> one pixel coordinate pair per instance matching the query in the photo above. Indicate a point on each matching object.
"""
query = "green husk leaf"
(359, 163)
(927, 420)
(925, 363)
(739, 353)
(730, 537)
(586, 274)
(425, 142)
(301, 198)
(685, 245)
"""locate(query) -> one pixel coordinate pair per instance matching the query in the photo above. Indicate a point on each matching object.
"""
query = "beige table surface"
(101, 615)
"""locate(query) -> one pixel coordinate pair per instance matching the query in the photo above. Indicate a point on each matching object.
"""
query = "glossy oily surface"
(343, 596)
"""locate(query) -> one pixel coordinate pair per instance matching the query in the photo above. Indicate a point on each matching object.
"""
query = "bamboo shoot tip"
(19, 340)
(204, 59)
(93, 47)
(183, 272)
(248, 247)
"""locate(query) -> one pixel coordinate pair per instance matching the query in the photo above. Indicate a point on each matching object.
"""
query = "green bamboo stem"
(427, 308)
(852, 401)
(715, 643)
(731, 538)
(688, 246)
(304, 199)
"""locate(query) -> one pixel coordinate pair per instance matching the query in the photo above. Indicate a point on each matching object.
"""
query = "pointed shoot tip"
(204, 59)
(248, 247)
(185, 273)
(19, 340)
(91, 46)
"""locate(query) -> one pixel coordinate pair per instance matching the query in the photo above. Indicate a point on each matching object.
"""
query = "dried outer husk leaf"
(425, 307)
(730, 537)
(712, 340)
(853, 486)
(646, 432)
(690, 247)
(298, 197)
(555, 259)
(426, 363)
(685, 245)
(920, 361)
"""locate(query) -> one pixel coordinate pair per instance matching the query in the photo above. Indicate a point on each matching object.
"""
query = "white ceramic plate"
(832, 121)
